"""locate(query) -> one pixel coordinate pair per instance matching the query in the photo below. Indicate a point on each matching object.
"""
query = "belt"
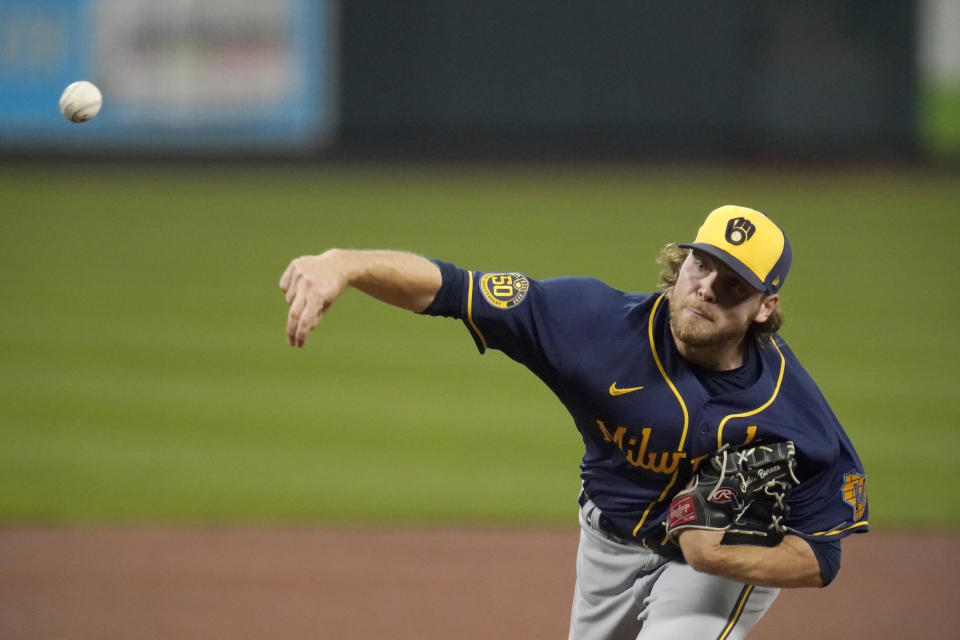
(604, 524)
(608, 529)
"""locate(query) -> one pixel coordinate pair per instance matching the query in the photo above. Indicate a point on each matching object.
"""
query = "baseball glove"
(739, 490)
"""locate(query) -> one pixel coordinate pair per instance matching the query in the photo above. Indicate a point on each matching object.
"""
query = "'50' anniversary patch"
(504, 290)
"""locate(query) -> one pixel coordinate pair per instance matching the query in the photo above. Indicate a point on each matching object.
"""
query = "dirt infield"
(153, 583)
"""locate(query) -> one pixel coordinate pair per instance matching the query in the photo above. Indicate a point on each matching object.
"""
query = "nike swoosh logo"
(614, 391)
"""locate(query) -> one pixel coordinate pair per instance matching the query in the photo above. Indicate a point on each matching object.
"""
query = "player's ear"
(767, 307)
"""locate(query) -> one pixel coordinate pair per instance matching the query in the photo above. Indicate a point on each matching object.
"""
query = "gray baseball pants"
(626, 592)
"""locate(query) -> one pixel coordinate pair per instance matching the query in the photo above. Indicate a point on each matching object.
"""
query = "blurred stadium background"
(145, 375)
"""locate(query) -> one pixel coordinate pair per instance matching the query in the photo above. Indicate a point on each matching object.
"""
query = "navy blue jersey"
(645, 418)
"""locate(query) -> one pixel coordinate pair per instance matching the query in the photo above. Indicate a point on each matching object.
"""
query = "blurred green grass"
(939, 119)
(145, 375)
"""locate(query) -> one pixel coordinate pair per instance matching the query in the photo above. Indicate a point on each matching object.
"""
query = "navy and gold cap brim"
(735, 265)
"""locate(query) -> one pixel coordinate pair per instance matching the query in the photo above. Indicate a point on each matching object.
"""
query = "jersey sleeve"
(828, 557)
(832, 504)
(542, 324)
(831, 500)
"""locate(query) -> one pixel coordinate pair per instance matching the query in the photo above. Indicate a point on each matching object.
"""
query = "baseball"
(80, 101)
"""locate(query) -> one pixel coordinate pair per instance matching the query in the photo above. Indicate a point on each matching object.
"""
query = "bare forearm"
(790, 564)
(402, 279)
(313, 283)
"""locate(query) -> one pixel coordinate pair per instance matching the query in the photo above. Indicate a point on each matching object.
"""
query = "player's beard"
(708, 331)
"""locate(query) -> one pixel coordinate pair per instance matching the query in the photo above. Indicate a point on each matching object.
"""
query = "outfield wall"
(698, 78)
(703, 79)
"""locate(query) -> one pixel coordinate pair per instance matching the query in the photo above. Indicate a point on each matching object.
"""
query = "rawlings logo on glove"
(740, 491)
(682, 511)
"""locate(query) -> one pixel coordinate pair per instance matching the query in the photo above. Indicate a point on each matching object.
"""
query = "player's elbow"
(702, 561)
(701, 550)
(790, 564)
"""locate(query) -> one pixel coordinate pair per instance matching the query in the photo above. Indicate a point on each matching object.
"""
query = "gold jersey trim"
(683, 407)
(656, 359)
(834, 532)
(776, 391)
(470, 321)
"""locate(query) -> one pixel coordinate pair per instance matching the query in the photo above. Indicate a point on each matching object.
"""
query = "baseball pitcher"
(714, 471)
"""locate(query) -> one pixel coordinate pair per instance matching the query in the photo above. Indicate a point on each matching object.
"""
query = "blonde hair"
(671, 258)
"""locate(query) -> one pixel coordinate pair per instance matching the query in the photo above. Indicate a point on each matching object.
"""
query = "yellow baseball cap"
(749, 243)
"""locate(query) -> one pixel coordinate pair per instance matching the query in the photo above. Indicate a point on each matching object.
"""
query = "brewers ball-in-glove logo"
(504, 290)
(739, 230)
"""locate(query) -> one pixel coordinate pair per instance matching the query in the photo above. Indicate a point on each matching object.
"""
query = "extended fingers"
(309, 320)
(306, 310)
(287, 276)
(293, 318)
(291, 294)
(305, 313)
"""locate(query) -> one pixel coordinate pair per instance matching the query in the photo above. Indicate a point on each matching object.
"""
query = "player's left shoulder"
(802, 414)
(795, 386)
(776, 350)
